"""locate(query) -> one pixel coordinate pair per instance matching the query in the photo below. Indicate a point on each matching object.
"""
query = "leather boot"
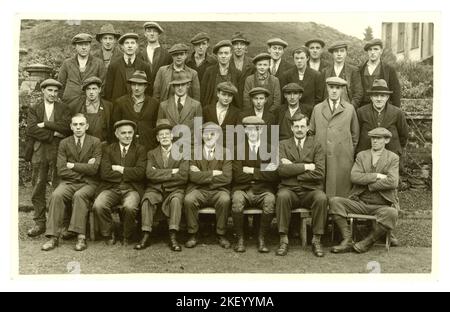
(284, 245)
(174, 245)
(238, 224)
(266, 220)
(144, 243)
(367, 243)
(346, 244)
(317, 247)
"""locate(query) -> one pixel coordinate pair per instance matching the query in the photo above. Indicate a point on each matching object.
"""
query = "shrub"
(416, 79)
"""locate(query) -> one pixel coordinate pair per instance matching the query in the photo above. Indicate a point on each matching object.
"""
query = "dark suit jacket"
(82, 171)
(145, 119)
(116, 84)
(208, 85)
(134, 172)
(363, 177)
(247, 69)
(323, 65)
(209, 61)
(295, 175)
(160, 58)
(168, 110)
(285, 123)
(394, 120)
(388, 73)
(354, 86)
(283, 68)
(267, 116)
(312, 83)
(231, 117)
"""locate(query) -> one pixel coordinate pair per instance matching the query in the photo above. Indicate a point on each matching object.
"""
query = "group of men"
(110, 143)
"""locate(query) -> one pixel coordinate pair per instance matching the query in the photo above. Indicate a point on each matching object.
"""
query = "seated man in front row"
(302, 173)
(122, 171)
(167, 180)
(375, 180)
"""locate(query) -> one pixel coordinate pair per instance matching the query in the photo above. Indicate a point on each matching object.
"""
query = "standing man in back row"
(316, 61)
(109, 50)
(278, 66)
(200, 60)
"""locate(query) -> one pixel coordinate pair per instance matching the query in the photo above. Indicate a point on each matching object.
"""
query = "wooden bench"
(354, 217)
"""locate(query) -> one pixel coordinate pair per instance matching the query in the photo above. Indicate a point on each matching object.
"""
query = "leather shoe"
(317, 249)
(240, 245)
(282, 250)
(36, 231)
(174, 245)
(67, 235)
(223, 242)
(144, 243)
(192, 241)
(50, 244)
(111, 240)
(81, 244)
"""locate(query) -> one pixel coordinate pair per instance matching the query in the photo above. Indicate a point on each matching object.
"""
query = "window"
(415, 36)
(388, 40)
(401, 37)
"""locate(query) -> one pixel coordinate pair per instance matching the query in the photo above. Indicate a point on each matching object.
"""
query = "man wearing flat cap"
(292, 93)
(352, 92)
(167, 178)
(259, 97)
(375, 176)
(78, 68)
(122, 171)
(263, 78)
(210, 175)
(316, 61)
(254, 182)
(140, 108)
(221, 72)
(200, 60)
(180, 108)
(278, 66)
(109, 50)
(336, 128)
(243, 64)
(153, 53)
(120, 70)
(310, 80)
(162, 89)
(47, 123)
(302, 173)
(375, 68)
(97, 111)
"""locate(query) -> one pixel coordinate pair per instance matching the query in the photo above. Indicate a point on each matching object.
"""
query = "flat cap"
(180, 78)
(220, 44)
(82, 37)
(380, 132)
(92, 80)
(128, 35)
(139, 76)
(260, 57)
(253, 120)
(178, 48)
(107, 29)
(239, 37)
(258, 90)
(301, 49)
(336, 81)
(379, 86)
(153, 25)
(293, 87)
(201, 36)
(372, 43)
(50, 82)
(227, 86)
(317, 40)
(162, 124)
(211, 126)
(337, 45)
(277, 41)
(124, 122)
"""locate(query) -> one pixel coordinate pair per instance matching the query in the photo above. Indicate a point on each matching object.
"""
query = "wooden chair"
(355, 217)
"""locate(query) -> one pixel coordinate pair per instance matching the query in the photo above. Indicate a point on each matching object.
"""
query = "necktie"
(179, 105)
(124, 152)
(210, 155)
(299, 147)
(334, 105)
(129, 61)
(79, 145)
(165, 159)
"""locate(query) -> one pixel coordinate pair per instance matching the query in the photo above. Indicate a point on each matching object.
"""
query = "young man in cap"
(109, 50)
(78, 161)
(302, 173)
(278, 65)
(308, 78)
(292, 93)
(336, 128)
(375, 180)
(254, 184)
(120, 70)
(180, 108)
(122, 171)
(240, 61)
(162, 89)
(78, 68)
(200, 60)
(315, 47)
(97, 111)
(47, 123)
(153, 53)
(259, 97)
(209, 185)
(353, 92)
(374, 68)
(167, 179)
(262, 78)
(140, 108)
(221, 72)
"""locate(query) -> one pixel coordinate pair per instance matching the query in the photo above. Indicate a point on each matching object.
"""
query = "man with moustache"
(109, 50)
(316, 47)
(278, 66)
(292, 93)
(200, 60)
(121, 70)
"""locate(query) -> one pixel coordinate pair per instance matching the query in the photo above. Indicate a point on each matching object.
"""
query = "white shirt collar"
(125, 57)
(330, 103)
(302, 141)
(167, 149)
(338, 68)
(183, 99)
(49, 108)
(123, 146)
(82, 139)
(257, 144)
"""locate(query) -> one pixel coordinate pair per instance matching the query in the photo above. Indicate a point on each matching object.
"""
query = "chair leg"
(388, 240)
(303, 231)
(91, 225)
(351, 230)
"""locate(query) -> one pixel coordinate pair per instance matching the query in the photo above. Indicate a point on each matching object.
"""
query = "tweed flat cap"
(301, 49)
(293, 87)
(258, 90)
(50, 82)
(125, 122)
(379, 86)
(128, 35)
(253, 120)
(227, 86)
(138, 76)
(372, 43)
(201, 36)
(220, 44)
(106, 29)
(277, 41)
(82, 37)
(92, 80)
(162, 124)
(153, 25)
(180, 78)
(260, 57)
(380, 132)
(178, 48)
(211, 126)
(337, 45)
(336, 81)
(319, 41)
(239, 37)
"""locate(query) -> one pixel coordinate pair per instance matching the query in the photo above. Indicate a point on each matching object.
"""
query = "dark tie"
(334, 105)
(79, 146)
(166, 159)
(179, 105)
(299, 147)
(129, 61)
(124, 152)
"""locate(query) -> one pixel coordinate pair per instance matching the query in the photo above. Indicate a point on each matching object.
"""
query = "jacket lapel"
(326, 112)
(339, 109)
(172, 110)
(293, 149)
(186, 109)
(85, 148)
(382, 161)
(158, 157)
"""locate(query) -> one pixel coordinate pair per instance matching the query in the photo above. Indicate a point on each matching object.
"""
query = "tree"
(368, 33)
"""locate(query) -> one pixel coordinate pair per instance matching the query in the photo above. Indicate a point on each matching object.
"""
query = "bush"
(416, 79)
